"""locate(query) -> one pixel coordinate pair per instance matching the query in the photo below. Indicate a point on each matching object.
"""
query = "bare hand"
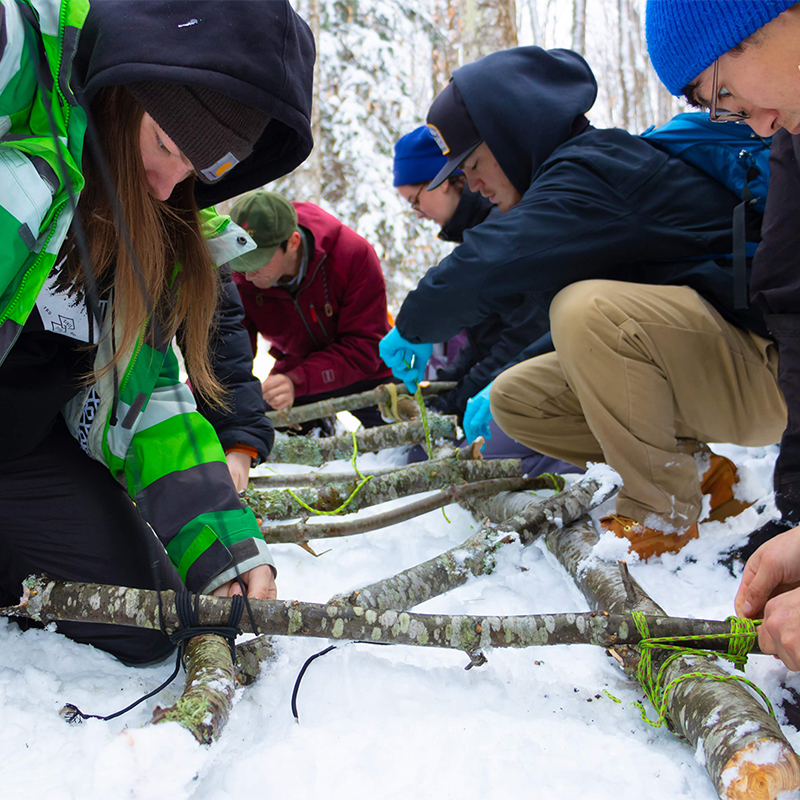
(772, 570)
(779, 634)
(259, 581)
(278, 391)
(770, 588)
(239, 466)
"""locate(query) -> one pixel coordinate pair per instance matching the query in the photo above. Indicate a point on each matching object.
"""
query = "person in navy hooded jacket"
(652, 358)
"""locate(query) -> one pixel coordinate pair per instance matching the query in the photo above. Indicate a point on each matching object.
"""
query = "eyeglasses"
(721, 114)
(415, 201)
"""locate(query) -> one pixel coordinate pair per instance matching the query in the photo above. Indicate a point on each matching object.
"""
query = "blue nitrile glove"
(406, 361)
(478, 415)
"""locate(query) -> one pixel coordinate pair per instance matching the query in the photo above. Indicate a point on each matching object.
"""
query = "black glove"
(790, 518)
(763, 534)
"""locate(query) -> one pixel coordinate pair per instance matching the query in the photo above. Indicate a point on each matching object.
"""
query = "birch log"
(354, 402)
(746, 754)
(475, 556)
(48, 600)
(424, 477)
(262, 482)
(204, 706)
(314, 452)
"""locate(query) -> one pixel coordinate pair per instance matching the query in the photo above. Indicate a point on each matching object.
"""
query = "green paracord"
(423, 412)
(362, 482)
(741, 641)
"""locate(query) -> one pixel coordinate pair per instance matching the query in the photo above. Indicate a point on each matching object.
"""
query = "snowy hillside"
(386, 722)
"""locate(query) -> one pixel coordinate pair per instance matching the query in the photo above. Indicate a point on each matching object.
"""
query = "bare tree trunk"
(315, 159)
(579, 26)
(423, 477)
(314, 452)
(205, 704)
(746, 754)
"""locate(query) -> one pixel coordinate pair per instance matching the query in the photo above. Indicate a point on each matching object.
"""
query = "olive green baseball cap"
(269, 219)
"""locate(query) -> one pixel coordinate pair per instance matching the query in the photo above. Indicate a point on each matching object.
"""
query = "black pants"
(65, 516)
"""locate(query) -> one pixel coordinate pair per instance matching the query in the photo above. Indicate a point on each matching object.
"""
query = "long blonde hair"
(163, 234)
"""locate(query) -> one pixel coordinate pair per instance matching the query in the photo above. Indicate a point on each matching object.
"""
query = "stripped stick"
(302, 531)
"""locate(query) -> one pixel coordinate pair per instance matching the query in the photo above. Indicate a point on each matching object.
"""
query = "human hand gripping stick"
(770, 588)
(407, 361)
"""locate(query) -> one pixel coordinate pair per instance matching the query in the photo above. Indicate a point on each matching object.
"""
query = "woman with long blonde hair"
(122, 119)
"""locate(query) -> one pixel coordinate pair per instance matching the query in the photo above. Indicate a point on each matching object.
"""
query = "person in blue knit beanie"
(740, 59)
(417, 161)
(753, 47)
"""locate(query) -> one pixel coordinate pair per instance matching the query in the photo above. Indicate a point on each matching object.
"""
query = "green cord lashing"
(363, 481)
(423, 412)
(741, 641)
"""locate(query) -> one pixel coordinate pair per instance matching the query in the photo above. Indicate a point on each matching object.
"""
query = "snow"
(381, 721)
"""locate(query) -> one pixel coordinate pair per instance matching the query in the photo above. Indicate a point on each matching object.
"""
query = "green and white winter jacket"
(141, 421)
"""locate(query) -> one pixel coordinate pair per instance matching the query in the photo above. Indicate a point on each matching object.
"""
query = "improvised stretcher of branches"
(746, 754)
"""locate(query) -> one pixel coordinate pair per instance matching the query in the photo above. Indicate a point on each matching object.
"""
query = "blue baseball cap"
(417, 157)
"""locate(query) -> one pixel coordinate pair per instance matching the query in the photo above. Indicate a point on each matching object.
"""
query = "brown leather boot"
(717, 482)
(647, 542)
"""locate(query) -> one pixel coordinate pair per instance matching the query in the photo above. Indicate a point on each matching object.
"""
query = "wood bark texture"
(532, 518)
(262, 482)
(424, 477)
(354, 402)
(746, 754)
(314, 452)
(475, 556)
(205, 704)
(300, 532)
(118, 605)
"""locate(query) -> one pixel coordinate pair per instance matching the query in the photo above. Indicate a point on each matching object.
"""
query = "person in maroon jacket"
(314, 290)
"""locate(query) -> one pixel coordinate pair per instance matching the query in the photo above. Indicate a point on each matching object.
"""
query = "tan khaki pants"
(637, 368)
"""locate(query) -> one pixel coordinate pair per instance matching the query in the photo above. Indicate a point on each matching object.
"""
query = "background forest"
(380, 64)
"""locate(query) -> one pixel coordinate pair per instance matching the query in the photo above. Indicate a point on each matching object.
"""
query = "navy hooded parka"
(595, 204)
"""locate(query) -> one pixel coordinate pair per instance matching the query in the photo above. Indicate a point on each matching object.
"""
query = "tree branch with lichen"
(47, 600)
(300, 532)
(380, 395)
(533, 517)
(414, 479)
(314, 452)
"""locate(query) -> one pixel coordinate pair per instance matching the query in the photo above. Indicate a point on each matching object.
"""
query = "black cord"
(187, 607)
(300, 678)
(308, 663)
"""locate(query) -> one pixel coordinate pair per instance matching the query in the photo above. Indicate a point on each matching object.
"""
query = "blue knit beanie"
(684, 37)
(417, 157)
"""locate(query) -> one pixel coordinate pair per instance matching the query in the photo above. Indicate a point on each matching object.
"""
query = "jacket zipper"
(302, 317)
(35, 264)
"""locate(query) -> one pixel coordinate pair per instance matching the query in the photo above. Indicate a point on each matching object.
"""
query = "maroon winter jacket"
(326, 336)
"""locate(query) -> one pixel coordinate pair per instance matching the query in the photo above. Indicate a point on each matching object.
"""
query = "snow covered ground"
(386, 722)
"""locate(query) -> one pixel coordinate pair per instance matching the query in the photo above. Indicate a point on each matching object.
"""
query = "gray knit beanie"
(213, 131)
